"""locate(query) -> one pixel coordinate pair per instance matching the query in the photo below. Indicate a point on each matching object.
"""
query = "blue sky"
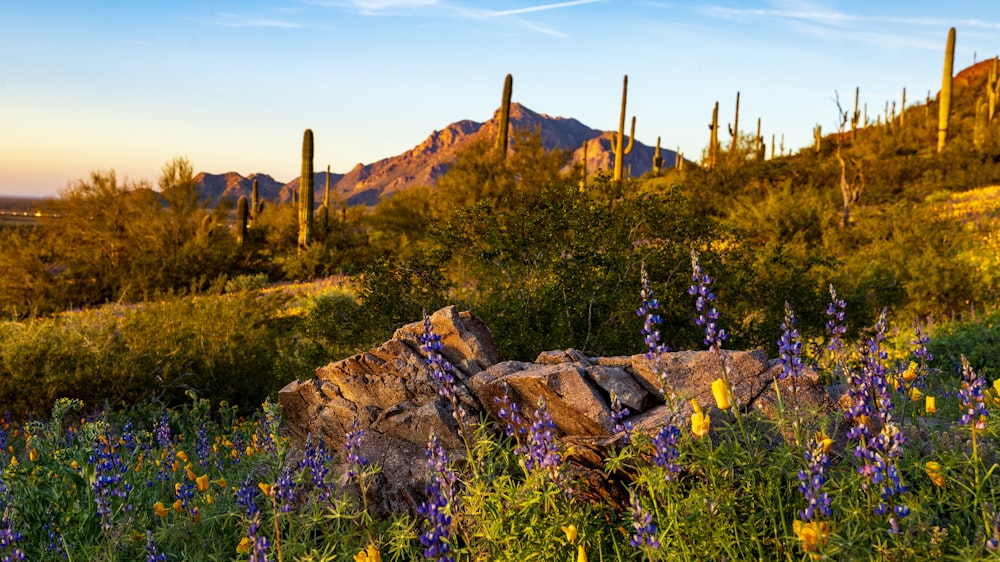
(231, 85)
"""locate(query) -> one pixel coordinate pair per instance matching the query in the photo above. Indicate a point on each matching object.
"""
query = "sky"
(232, 84)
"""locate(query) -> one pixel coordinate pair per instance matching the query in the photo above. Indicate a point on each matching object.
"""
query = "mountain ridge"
(366, 184)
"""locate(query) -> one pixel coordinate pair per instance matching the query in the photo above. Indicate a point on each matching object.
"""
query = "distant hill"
(365, 184)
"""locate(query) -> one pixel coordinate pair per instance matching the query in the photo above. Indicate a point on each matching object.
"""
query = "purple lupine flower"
(442, 371)
(651, 330)
(201, 446)
(812, 479)
(153, 553)
(790, 346)
(666, 454)
(919, 344)
(8, 536)
(246, 497)
(439, 490)
(316, 460)
(266, 427)
(708, 316)
(645, 529)
(618, 415)
(184, 491)
(542, 451)
(56, 541)
(880, 443)
(162, 435)
(284, 490)
(510, 415)
(971, 395)
(109, 473)
(259, 541)
(837, 329)
(356, 462)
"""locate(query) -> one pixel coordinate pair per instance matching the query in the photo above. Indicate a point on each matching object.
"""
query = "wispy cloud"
(820, 15)
(819, 21)
(540, 8)
(237, 20)
(379, 7)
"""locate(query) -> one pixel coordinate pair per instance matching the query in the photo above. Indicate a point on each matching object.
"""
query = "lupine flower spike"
(434, 510)
(651, 332)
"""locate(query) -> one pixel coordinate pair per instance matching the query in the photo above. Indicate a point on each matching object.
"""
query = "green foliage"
(225, 347)
(977, 338)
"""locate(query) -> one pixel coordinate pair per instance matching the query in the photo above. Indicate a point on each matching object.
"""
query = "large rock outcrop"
(391, 392)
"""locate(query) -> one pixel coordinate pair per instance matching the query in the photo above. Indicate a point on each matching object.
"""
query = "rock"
(389, 390)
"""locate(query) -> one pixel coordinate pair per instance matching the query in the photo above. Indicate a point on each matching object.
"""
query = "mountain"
(365, 184)
(230, 186)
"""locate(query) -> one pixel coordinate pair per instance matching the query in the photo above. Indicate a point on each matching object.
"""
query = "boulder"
(389, 390)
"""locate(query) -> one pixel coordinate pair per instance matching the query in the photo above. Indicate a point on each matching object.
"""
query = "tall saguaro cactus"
(255, 206)
(713, 139)
(734, 130)
(242, 216)
(504, 124)
(856, 116)
(306, 192)
(657, 159)
(618, 141)
(902, 111)
(818, 137)
(944, 113)
(993, 88)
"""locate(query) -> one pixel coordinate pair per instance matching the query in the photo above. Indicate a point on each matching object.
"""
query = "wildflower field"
(905, 469)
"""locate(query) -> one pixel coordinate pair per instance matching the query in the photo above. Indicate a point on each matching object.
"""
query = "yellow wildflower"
(178, 506)
(933, 470)
(190, 473)
(221, 482)
(74, 465)
(700, 421)
(202, 482)
(571, 532)
(813, 535)
(930, 404)
(160, 510)
(369, 554)
(182, 455)
(13, 461)
(916, 395)
(581, 554)
(911, 372)
(824, 439)
(208, 499)
(723, 396)
(266, 488)
(245, 546)
(33, 455)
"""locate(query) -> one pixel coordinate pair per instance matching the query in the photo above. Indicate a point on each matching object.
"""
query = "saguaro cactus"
(944, 113)
(323, 219)
(902, 110)
(713, 139)
(993, 88)
(856, 116)
(818, 136)
(618, 141)
(758, 143)
(242, 216)
(583, 181)
(734, 129)
(981, 125)
(306, 192)
(502, 127)
(657, 160)
(255, 204)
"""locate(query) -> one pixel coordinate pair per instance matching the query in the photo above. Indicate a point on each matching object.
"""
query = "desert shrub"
(977, 338)
(225, 348)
